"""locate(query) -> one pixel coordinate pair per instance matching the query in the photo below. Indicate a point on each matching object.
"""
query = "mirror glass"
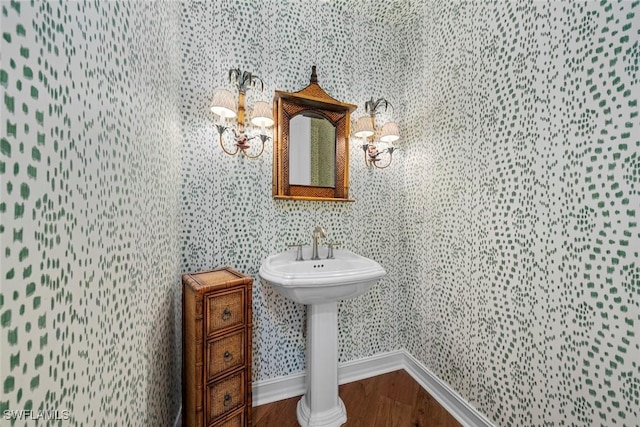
(312, 153)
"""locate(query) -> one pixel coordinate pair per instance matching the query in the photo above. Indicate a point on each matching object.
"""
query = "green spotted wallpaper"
(523, 201)
(508, 222)
(89, 213)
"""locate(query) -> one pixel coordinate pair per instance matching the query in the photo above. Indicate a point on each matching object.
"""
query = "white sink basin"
(311, 282)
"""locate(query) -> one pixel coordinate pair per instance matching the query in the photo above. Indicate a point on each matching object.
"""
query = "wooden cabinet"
(216, 349)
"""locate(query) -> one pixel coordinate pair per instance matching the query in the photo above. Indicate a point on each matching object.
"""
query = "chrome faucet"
(317, 233)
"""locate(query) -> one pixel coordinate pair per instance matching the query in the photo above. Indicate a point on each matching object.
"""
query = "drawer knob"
(227, 399)
(228, 356)
(226, 314)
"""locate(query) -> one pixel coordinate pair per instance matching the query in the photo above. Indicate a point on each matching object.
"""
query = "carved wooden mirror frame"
(315, 100)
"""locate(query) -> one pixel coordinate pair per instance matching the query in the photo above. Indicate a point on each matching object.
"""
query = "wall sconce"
(223, 105)
(365, 129)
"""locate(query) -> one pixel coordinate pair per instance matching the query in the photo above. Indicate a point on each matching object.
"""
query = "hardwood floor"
(390, 400)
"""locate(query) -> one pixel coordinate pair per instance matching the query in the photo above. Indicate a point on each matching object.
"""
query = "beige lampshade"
(223, 104)
(390, 132)
(363, 128)
(262, 114)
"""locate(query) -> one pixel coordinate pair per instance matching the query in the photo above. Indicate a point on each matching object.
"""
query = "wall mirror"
(311, 145)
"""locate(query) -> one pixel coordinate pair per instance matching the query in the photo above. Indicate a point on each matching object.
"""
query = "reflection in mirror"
(312, 153)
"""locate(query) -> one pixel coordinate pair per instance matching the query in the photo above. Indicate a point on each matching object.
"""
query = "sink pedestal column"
(321, 406)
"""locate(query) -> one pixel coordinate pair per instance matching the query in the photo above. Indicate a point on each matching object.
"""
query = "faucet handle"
(298, 252)
(330, 251)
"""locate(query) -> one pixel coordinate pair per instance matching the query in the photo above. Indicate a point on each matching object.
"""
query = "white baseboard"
(178, 421)
(466, 414)
(279, 388)
(372, 366)
(275, 389)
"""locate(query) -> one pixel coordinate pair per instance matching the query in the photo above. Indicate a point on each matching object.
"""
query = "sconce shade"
(223, 104)
(390, 132)
(262, 114)
(363, 128)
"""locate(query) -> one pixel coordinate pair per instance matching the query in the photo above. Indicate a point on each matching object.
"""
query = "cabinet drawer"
(235, 421)
(225, 353)
(225, 395)
(224, 310)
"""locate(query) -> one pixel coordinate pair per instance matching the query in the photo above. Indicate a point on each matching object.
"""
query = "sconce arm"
(263, 139)
(373, 159)
(222, 129)
(390, 151)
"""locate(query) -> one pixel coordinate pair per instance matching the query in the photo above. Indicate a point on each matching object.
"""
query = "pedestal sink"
(320, 284)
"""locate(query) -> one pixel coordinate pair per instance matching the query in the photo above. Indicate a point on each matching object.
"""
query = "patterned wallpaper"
(507, 225)
(90, 211)
(229, 215)
(522, 208)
